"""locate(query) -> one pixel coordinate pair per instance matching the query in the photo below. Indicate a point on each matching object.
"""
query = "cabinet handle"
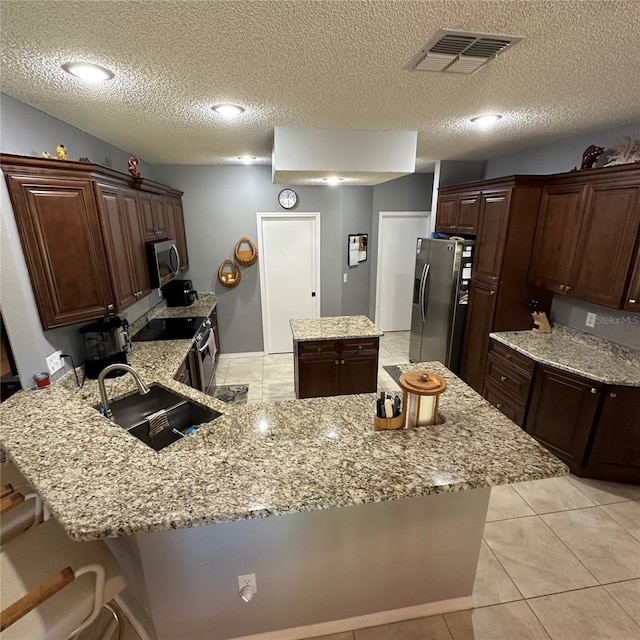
(341, 361)
(594, 390)
(318, 348)
(499, 405)
(110, 307)
(562, 287)
(503, 378)
(493, 277)
(632, 301)
(508, 356)
(493, 293)
(360, 347)
(336, 362)
(612, 395)
(567, 289)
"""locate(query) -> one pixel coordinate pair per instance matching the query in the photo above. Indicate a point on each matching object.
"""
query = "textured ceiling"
(320, 64)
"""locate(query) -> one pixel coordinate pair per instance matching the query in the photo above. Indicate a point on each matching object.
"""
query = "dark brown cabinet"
(615, 451)
(58, 222)
(176, 230)
(632, 297)
(587, 234)
(499, 293)
(82, 229)
(335, 367)
(189, 371)
(562, 411)
(458, 212)
(153, 216)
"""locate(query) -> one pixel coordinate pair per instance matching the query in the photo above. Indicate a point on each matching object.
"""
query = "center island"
(344, 527)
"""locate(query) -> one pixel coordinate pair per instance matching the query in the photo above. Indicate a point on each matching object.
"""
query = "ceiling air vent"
(459, 51)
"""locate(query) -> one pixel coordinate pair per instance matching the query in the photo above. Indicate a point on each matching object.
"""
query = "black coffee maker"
(105, 342)
(179, 293)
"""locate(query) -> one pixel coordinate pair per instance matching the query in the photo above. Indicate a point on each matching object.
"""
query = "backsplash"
(616, 326)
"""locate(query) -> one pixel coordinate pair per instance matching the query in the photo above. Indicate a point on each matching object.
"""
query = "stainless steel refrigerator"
(440, 300)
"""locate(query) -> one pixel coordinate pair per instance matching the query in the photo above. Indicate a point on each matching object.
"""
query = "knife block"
(540, 323)
(381, 424)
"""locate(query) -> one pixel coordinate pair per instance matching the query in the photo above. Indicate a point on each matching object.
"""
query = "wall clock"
(287, 198)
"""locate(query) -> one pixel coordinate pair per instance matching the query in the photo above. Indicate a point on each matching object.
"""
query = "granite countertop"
(333, 328)
(255, 460)
(577, 352)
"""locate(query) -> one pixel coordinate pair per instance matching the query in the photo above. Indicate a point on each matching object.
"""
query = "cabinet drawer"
(513, 357)
(507, 380)
(359, 344)
(317, 347)
(513, 410)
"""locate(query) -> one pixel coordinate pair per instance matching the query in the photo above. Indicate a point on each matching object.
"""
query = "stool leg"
(116, 617)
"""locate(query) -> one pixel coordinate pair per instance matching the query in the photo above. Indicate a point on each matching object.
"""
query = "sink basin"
(183, 416)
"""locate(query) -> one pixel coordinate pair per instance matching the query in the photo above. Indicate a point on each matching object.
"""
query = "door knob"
(594, 390)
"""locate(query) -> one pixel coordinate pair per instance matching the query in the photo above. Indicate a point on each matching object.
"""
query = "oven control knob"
(198, 337)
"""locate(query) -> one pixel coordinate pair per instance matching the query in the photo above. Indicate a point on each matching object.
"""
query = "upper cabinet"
(587, 232)
(83, 230)
(458, 212)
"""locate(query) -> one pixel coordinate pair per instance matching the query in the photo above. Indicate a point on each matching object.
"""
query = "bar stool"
(51, 587)
(20, 505)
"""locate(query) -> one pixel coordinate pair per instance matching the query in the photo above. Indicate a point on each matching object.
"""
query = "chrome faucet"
(142, 387)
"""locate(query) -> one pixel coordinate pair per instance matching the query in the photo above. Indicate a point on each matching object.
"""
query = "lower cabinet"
(189, 371)
(336, 367)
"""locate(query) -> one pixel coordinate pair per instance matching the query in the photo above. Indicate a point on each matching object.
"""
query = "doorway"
(289, 249)
(397, 234)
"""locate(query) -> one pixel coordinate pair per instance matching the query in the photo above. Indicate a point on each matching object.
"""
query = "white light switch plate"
(344, 278)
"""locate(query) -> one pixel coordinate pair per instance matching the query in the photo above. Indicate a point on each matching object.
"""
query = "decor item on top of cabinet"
(246, 252)
(590, 156)
(229, 274)
(61, 153)
(625, 152)
(133, 167)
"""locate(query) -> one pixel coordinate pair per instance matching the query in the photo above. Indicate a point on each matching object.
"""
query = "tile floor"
(560, 558)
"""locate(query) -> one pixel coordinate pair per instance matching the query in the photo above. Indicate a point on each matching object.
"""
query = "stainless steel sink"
(183, 416)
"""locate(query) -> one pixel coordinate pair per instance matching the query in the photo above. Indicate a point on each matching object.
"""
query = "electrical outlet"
(247, 586)
(55, 362)
(591, 320)
(344, 279)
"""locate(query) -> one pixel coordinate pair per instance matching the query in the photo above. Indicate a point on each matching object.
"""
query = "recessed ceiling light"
(247, 159)
(333, 181)
(87, 71)
(487, 120)
(228, 111)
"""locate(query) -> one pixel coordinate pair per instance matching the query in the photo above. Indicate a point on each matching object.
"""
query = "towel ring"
(246, 257)
(229, 274)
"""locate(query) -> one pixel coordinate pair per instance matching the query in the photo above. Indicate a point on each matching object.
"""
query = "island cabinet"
(499, 292)
(336, 367)
(83, 229)
(458, 212)
(587, 233)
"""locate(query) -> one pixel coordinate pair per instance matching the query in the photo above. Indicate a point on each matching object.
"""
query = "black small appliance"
(105, 342)
(179, 293)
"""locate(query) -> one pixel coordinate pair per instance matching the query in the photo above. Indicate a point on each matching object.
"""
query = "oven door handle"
(206, 343)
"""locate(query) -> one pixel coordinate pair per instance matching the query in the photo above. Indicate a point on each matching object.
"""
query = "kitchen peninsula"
(338, 522)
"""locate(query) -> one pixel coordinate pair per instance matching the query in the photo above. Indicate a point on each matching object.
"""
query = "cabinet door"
(62, 242)
(115, 227)
(358, 373)
(176, 230)
(606, 241)
(632, 297)
(616, 445)
(446, 214)
(318, 376)
(146, 213)
(556, 238)
(468, 211)
(136, 243)
(479, 323)
(561, 412)
(159, 216)
(492, 230)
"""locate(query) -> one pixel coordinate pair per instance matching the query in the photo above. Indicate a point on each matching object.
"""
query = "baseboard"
(140, 630)
(368, 620)
(247, 354)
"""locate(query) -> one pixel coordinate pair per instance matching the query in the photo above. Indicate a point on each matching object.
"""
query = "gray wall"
(27, 131)
(558, 157)
(410, 193)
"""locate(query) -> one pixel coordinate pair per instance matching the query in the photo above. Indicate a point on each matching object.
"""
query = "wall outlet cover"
(344, 279)
(55, 362)
(591, 320)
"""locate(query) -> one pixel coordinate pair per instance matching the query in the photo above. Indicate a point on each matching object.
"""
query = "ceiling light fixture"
(333, 181)
(486, 120)
(88, 72)
(228, 111)
(247, 159)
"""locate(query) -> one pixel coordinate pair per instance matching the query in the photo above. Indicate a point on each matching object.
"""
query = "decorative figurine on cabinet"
(133, 167)
(590, 156)
(61, 152)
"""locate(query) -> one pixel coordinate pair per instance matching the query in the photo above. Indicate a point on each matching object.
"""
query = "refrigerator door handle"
(423, 306)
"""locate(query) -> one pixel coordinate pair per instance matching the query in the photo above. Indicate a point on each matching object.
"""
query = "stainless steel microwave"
(164, 261)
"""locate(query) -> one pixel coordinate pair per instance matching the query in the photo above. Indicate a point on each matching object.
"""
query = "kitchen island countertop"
(577, 352)
(333, 328)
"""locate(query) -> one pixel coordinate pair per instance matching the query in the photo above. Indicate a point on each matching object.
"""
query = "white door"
(289, 252)
(397, 234)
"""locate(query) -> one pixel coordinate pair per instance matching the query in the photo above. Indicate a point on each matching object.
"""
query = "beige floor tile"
(552, 494)
(627, 595)
(277, 371)
(251, 361)
(603, 492)
(240, 375)
(492, 585)
(279, 358)
(432, 628)
(512, 621)
(627, 515)
(600, 543)
(385, 357)
(255, 392)
(347, 635)
(506, 503)
(401, 356)
(278, 390)
(535, 558)
(586, 614)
